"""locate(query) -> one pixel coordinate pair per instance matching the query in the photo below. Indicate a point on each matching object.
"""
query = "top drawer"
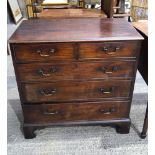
(42, 52)
(108, 50)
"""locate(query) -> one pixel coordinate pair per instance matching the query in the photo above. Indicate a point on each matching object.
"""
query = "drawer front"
(108, 50)
(50, 113)
(70, 90)
(71, 71)
(43, 52)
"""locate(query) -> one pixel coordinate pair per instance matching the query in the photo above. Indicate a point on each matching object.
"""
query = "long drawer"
(71, 71)
(50, 113)
(71, 90)
(70, 51)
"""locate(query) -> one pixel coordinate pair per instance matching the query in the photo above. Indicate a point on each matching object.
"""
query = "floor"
(88, 140)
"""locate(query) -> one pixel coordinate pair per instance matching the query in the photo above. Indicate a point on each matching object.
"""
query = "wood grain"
(75, 91)
(74, 51)
(76, 70)
(29, 52)
(74, 30)
(108, 50)
(48, 113)
(71, 13)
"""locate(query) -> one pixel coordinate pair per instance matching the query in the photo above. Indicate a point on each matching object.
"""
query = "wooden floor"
(71, 13)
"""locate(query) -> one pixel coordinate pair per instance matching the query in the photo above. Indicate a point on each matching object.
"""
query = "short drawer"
(108, 50)
(71, 71)
(97, 111)
(71, 90)
(42, 52)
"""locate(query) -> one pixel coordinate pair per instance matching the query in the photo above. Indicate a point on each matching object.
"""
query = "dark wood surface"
(142, 28)
(75, 71)
(74, 51)
(107, 7)
(71, 13)
(76, 91)
(43, 52)
(105, 11)
(74, 30)
(109, 50)
(145, 125)
(49, 113)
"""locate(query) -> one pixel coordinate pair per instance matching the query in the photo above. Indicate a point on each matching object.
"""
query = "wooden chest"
(75, 71)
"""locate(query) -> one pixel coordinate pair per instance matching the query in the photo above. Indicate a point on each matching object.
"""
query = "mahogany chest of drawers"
(75, 71)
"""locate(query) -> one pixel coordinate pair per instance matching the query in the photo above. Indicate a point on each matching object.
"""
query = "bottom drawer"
(65, 112)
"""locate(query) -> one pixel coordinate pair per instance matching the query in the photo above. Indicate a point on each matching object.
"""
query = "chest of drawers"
(75, 71)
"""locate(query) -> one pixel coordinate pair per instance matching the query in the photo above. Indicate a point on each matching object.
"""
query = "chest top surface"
(74, 30)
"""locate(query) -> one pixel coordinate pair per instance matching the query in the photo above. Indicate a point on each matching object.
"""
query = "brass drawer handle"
(107, 91)
(117, 48)
(51, 113)
(106, 71)
(45, 55)
(106, 50)
(52, 70)
(41, 72)
(47, 92)
(107, 111)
